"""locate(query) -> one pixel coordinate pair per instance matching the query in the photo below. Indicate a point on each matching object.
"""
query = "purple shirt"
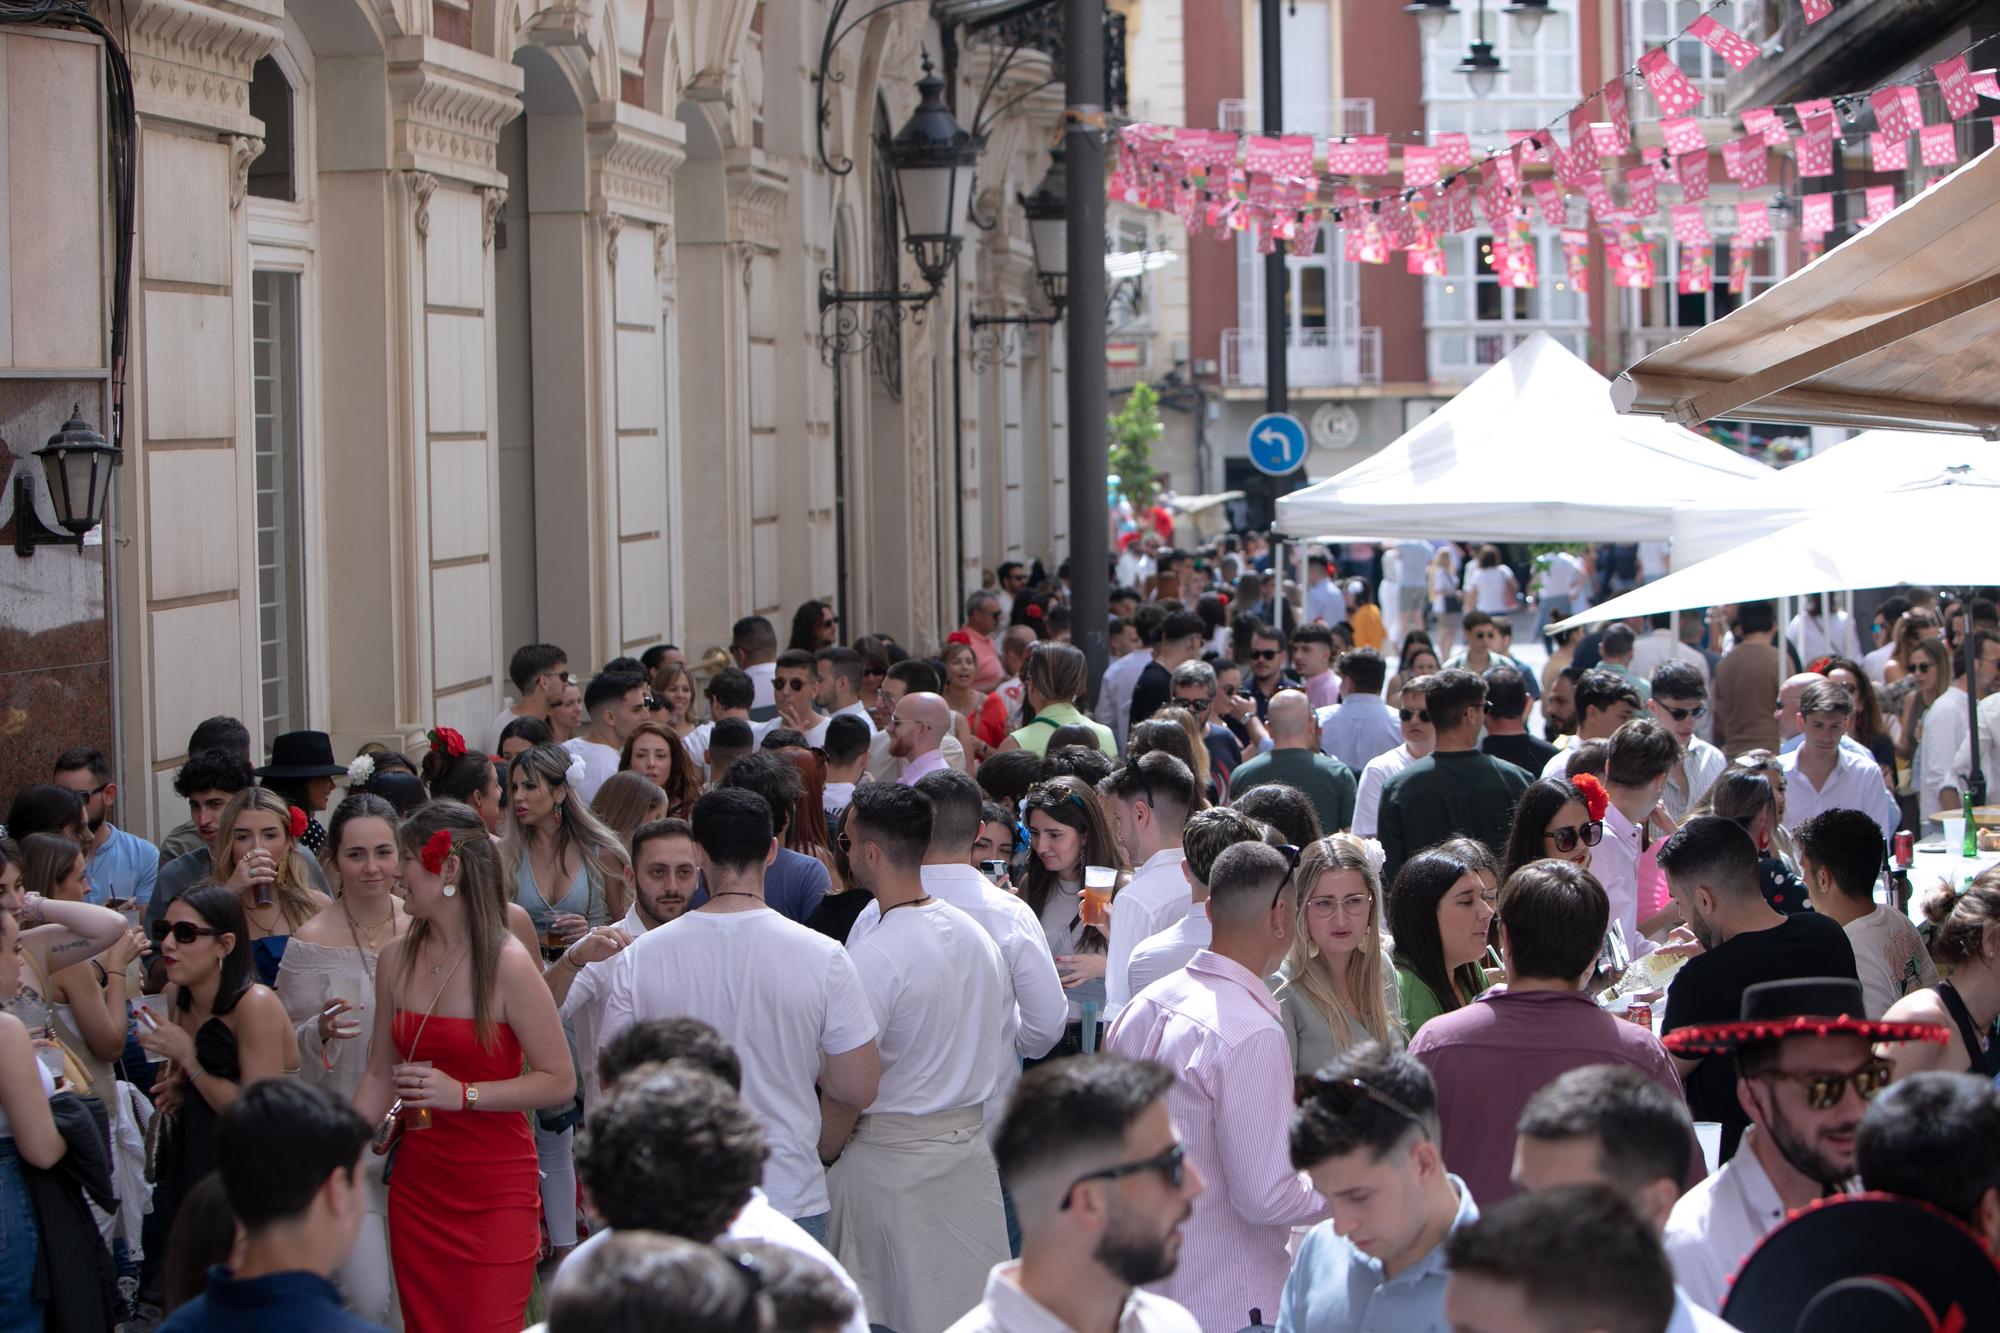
(1491, 1056)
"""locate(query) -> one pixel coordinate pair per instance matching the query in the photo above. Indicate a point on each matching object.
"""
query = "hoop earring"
(451, 890)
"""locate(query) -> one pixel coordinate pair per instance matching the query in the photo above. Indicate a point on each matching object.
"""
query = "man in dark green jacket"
(1295, 760)
(1455, 790)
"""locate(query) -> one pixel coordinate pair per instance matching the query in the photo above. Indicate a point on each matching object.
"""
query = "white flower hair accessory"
(575, 773)
(362, 769)
(1377, 858)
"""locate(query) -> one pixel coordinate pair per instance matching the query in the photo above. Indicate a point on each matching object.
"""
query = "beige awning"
(1898, 327)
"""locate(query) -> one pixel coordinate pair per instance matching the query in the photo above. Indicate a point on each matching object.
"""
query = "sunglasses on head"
(1566, 839)
(1171, 1164)
(1824, 1089)
(1414, 714)
(1291, 855)
(1683, 714)
(184, 932)
(1345, 1094)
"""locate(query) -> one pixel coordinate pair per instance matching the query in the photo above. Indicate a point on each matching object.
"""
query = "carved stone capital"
(756, 190)
(492, 199)
(664, 269)
(191, 59)
(565, 23)
(448, 105)
(613, 226)
(421, 185)
(243, 150)
(633, 156)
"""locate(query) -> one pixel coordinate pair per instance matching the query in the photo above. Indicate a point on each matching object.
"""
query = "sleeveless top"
(578, 899)
(1980, 1057)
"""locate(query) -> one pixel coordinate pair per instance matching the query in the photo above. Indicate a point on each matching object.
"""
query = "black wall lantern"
(78, 462)
(1047, 211)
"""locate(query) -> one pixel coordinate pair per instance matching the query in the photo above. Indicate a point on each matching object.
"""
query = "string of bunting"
(1224, 182)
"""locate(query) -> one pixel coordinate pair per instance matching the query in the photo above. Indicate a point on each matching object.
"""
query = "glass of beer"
(416, 1117)
(1098, 882)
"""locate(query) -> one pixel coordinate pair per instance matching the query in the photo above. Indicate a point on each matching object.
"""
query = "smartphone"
(994, 870)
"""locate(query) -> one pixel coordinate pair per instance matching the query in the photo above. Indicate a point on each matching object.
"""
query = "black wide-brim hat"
(302, 754)
(1874, 1262)
(1801, 1007)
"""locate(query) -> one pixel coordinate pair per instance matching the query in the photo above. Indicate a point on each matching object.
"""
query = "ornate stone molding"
(665, 270)
(563, 23)
(491, 200)
(613, 226)
(756, 190)
(1007, 269)
(421, 184)
(243, 150)
(448, 105)
(633, 156)
(191, 59)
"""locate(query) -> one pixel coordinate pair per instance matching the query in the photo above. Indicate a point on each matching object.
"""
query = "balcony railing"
(1353, 115)
(1314, 358)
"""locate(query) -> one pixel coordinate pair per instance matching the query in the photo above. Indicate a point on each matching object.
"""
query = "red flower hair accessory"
(435, 851)
(298, 823)
(959, 636)
(1595, 798)
(1033, 611)
(447, 740)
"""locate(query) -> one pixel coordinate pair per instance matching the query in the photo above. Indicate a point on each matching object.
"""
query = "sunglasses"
(1292, 855)
(184, 932)
(1566, 839)
(1758, 761)
(1345, 1094)
(1824, 1089)
(1171, 1164)
(1266, 654)
(1418, 714)
(1923, 665)
(791, 683)
(1683, 714)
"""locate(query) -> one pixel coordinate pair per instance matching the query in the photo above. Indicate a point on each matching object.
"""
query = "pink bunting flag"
(1986, 82)
(1937, 145)
(1420, 166)
(1889, 152)
(1670, 86)
(1739, 267)
(1815, 215)
(1576, 164)
(1528, 145)
(1261, 154)
(1753, 161)
(1635, 266)
(1731, 46)
(1598, 195)
(1690, 226)
(1427, 263)
(1508, 169)
(1881, 203)
(1897, 110)
(1807, 110)
(1305, 241)
(1615, 137)
(1815, 10)
(1454, 149)
(1696, 276)
(1374, 154)
(1683, 134)
(1663, 167)
(1458, 206)
(1515, 262)
(1694, 177)
(1576, 259)
(1549, 199)
(1955, 85)
(1815, 149)
(1343, 157)
(1641, 191)
(1767, 122)
(1753, 221)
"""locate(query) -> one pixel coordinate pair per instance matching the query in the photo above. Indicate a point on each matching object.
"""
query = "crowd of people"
(1279, 980)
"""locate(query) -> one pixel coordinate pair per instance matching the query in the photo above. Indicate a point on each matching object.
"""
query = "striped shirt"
(1216, 1024)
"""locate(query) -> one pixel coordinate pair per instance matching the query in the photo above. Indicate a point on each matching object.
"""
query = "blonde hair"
(576, 827)
(1305, 970)
(294, 887)
(1197, 743)
(480, 890)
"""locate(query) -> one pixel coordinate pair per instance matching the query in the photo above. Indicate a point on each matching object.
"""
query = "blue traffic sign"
(1277, 444)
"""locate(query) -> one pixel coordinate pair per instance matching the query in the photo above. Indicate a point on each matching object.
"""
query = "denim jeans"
(814, 1226)
(19, 1245)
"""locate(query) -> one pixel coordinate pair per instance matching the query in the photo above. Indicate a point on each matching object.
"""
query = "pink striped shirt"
(1216, 1025)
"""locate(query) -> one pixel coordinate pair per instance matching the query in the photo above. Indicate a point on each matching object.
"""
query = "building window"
(1539, 86)
(1654, 23)
(271, 101)
(280, 523)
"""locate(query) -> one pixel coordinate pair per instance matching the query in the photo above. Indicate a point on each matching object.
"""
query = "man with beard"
(122, 866)
(1711, 869)
(1089, 1154)
(1367, 1135)
(1807, 1070)
(917, 728)
(1559, 705)
(664, 875)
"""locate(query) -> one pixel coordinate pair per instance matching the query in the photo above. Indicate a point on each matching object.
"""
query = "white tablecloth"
(1929, 869)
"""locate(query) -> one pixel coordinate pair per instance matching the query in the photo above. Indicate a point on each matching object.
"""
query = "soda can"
(1641, 1014)
(1905, 848)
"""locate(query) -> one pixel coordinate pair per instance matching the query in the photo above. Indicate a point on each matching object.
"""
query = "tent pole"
(1975, 782)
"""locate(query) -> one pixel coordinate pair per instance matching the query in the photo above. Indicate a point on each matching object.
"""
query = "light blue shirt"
(1335, 1288)
(126, 866)
(1357, 729)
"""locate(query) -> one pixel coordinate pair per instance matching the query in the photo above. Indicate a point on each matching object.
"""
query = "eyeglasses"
(1266, 654)
(1566, 839)
(1824, 1089)
(791, 683)
(1171, 1164)
(1419, 714)
(1683, 714)
(1345, 1094)
(1354, 904)
(184, 932)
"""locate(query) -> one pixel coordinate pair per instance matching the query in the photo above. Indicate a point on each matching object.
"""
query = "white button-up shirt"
(1945, 727)
(1357, 729)
(1008, 1309)
(1156, 896)
(1702, 764)
(817, 736)
(1615, 863)
(1374, 777)
(1855, 784)
(1718, 1222)
(1173, 948)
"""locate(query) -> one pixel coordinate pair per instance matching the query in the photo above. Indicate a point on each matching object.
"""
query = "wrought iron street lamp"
(1430, 15)
(77, 462)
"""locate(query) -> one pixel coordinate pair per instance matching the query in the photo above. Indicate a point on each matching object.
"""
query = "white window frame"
(1651, 24)
(1513, 104)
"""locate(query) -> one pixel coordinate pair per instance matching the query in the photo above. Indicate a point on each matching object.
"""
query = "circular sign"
(1335, 426)
(1277, 444)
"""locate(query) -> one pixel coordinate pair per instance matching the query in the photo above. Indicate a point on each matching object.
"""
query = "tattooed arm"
(64, 934)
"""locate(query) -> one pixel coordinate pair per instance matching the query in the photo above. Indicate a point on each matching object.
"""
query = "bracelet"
(570, 959)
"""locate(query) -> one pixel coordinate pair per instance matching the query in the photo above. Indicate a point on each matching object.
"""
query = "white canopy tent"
(1836, 478)
(1932, 531)
(1531, 451)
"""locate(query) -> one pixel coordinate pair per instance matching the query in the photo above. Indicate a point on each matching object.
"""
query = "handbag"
(73, 1068)
(389, 1130)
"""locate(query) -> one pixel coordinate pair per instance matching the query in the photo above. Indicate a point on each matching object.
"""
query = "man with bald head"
(1295, 760)
(917, 727)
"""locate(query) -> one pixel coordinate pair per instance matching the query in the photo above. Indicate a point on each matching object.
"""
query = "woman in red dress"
(466, 1037)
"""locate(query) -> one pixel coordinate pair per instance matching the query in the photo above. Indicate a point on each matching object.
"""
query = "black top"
(1443, 795)
(1153, 691)
(1783, 890)
(188, 1152)
(1710, 990)
(1523, 750)
(837, 912)
(1981, 1057)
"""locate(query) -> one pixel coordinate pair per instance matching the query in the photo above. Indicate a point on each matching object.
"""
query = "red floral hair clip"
(959, 636)
(1033, 611)
(1595, 798)
(447, 740)
(435, 851)
(298, 823)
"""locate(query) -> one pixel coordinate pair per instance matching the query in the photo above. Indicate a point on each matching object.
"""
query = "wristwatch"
(472, 1096)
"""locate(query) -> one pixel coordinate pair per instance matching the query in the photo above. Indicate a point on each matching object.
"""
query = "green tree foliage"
(1132, 431)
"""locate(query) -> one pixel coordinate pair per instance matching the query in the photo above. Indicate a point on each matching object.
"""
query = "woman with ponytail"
(466, 1039)
(471, 779)
(257, 856)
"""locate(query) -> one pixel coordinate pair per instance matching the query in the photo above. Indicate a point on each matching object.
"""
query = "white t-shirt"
(837, 797)
(1889, 957)
(1368, 796)
(781, 994)
(583, 1006)
(505, 718)
(1157, 896)
(933, 980)
(599, 763)
(696, 741)
(1490, 588)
